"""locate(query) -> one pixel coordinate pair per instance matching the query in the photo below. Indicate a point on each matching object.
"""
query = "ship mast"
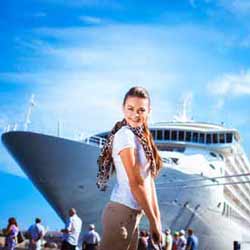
(183, 115)
(28, 115)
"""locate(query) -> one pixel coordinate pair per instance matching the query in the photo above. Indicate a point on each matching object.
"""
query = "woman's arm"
(155, 203)
(139, 189)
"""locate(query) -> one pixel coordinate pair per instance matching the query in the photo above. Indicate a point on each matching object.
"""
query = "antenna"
(31, 106)
(183, 115)
(58, 128)
(15, 127)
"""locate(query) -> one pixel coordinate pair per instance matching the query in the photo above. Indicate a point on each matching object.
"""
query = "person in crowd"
(11, 233)
(91, 239)
(71, 231)
(152, 245)
(182, 242)
(131, 152)
(168, 240)
(143, 240)
(175, 241)
(35, 234)
(192, 241)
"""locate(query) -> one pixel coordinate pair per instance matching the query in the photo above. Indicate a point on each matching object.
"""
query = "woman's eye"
(131, 109)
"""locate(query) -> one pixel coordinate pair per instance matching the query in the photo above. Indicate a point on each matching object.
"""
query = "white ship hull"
(64, 171)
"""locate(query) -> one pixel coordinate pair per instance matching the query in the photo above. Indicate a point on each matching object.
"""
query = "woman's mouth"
(135, 119)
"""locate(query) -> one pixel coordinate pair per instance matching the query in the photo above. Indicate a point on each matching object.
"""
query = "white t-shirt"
(91, 237)
(36, 230)
(74, 225)
(125, 138)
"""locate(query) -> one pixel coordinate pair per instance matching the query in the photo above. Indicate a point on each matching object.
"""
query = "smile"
(135, 120)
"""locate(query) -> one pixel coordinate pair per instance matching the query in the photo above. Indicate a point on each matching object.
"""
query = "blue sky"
(79, 57)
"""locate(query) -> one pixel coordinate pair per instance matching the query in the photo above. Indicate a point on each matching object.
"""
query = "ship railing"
(10, 127)
(95, 140)
(184, 184)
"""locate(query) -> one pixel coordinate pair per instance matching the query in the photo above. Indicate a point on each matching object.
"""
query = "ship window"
(212, 166)
(181, 135)
(235, 137)
(202, 138)
(212, 154)
(174, 135)
(188, 136)
(221, 138)
(159, 134)
(165, 147)
(103, 135)
(175, 160)
(209, 138)
(215, 138)
(166, 135)
(229, 137)
(153, 133)
(195, 137)
(221, 156)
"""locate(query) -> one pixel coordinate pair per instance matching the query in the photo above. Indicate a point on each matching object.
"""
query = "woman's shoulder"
(15, 227)
(124, 137)
(124, 131)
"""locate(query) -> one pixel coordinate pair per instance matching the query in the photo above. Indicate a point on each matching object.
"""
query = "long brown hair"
(143, 93)
(11, 221)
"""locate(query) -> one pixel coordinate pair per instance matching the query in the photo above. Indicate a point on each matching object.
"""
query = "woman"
(11, 234)
(132, 154)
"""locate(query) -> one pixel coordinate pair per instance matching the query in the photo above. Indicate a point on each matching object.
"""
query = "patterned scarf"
(105, 160)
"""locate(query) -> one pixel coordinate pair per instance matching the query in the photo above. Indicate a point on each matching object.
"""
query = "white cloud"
(90, 19)
(231, 84)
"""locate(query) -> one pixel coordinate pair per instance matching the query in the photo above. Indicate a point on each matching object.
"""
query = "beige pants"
(120, 227)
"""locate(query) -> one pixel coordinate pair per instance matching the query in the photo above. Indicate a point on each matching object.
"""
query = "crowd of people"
(176, 241)
(70, 235)
(90, 240)
(14, 235)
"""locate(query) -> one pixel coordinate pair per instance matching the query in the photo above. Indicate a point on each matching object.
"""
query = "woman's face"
(136, 111)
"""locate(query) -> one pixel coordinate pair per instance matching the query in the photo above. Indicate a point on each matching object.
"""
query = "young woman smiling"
(132, 154)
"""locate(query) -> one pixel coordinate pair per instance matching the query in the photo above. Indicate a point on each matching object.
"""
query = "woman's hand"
(155, 230)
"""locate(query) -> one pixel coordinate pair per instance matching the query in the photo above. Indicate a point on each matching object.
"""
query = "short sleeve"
(69, 224)
(124, 138)
(98, 237)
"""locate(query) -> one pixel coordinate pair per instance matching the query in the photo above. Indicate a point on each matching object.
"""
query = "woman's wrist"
(153, 219)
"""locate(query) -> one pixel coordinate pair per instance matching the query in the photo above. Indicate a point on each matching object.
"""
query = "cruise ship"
(204, 184)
